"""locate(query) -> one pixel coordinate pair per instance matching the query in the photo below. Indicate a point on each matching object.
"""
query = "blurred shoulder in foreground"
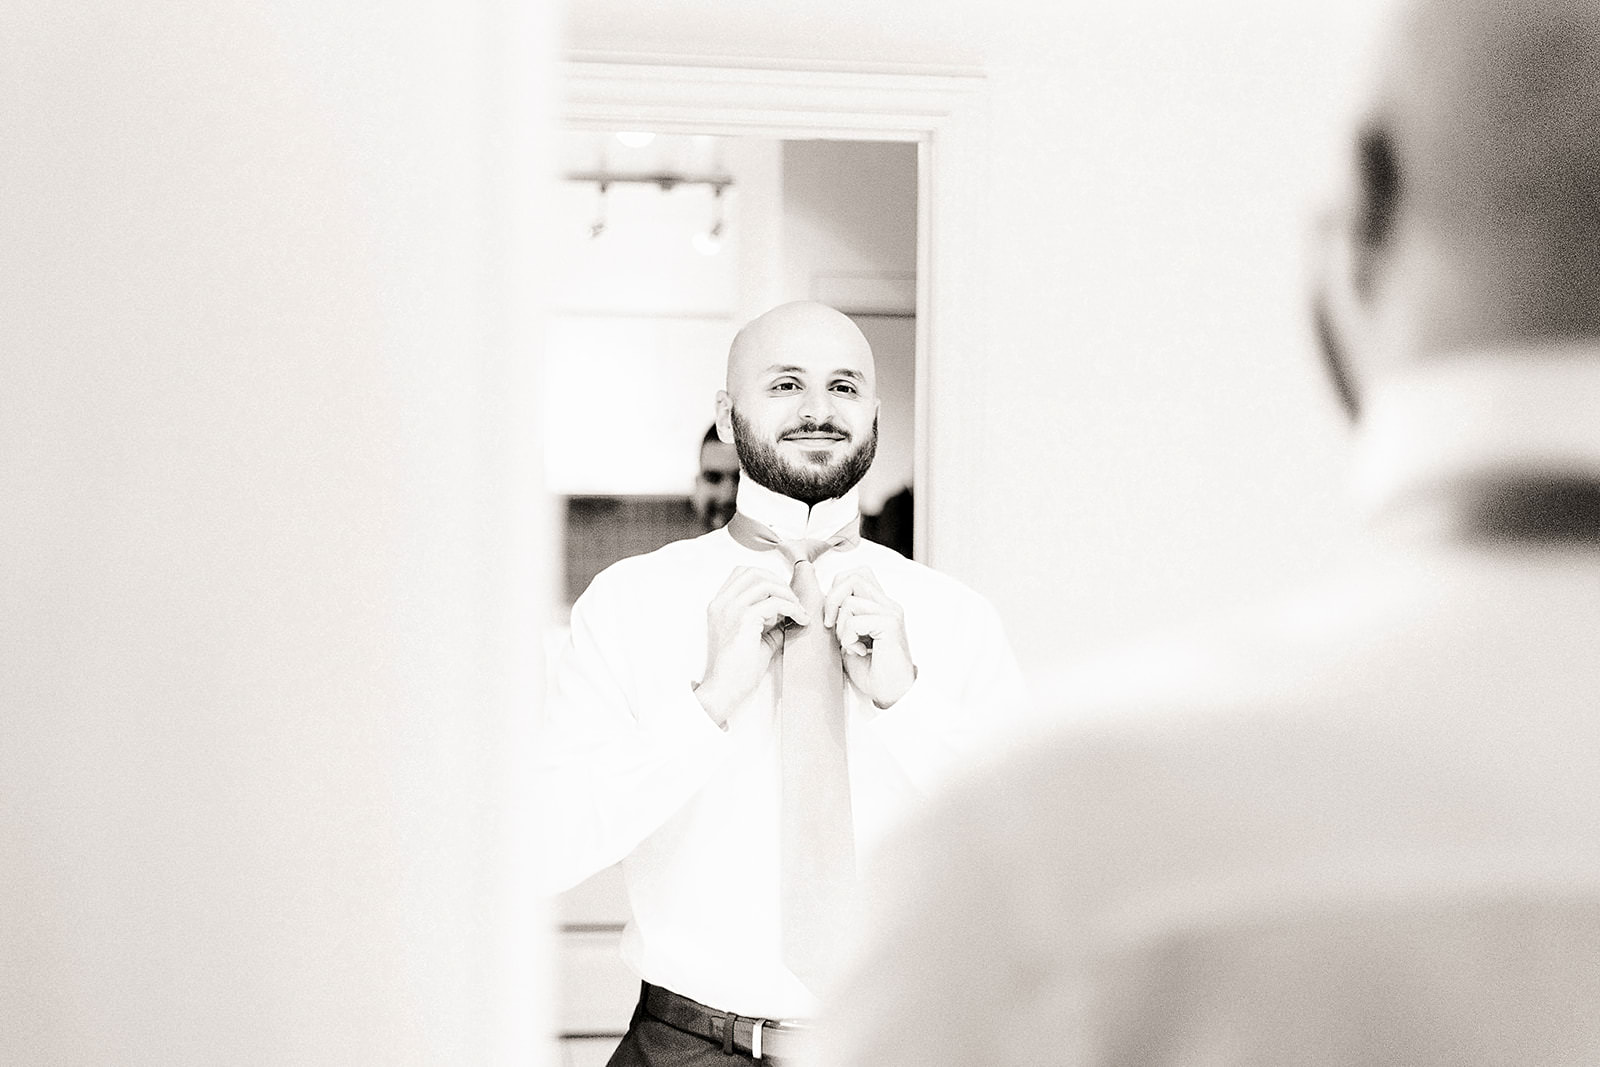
(1359, 827)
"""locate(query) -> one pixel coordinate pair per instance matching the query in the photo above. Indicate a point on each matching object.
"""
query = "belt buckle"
(760, 1029)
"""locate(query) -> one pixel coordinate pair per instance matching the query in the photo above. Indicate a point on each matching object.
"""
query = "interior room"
(309, 310)
(1110, 300)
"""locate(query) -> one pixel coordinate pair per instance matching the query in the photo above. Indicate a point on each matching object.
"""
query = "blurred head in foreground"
(1471, 221)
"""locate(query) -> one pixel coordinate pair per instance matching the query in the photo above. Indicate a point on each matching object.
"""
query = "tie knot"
(804, 551)
(751, 534)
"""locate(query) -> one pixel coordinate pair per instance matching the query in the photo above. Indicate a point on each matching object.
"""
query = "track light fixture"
(598, 226)
(709, 243)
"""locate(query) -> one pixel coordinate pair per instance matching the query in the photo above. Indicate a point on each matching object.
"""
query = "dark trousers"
(650, 1042)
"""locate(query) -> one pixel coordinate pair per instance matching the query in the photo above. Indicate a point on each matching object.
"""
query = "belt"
(760, 1039)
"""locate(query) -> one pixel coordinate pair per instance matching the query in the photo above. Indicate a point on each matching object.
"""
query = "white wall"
(1151, 414)
(850, 240)
(1170, 441)
(850, 224)
(270, 532)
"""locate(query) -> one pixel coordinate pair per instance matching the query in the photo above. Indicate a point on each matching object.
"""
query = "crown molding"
(615, 90)
(619, 57)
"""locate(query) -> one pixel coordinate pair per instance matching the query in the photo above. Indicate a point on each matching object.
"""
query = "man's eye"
(844, 387)
(784, 386)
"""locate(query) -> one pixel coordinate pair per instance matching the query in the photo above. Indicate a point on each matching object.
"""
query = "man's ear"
(1341, 292)
(1354, 246)
(724, 416)
(1375, 213)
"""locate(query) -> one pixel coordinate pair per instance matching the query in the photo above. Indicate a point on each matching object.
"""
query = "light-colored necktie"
(817, 837)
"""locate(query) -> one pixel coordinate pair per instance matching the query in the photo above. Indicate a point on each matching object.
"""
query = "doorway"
(667, 244)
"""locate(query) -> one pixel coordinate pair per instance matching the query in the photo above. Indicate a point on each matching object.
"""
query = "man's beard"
(821, 478)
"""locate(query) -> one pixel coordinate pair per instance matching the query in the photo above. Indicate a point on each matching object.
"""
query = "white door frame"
(945, 113)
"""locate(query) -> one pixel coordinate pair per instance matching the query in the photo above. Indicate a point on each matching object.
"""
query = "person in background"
(738, 715)
(892, 524)
(1361, 827)
(716, 486)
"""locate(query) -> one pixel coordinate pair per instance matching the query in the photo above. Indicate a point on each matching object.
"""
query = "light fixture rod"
(718, 182)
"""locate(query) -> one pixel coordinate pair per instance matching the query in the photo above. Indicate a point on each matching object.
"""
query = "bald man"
(739, 715)
(1363, 826)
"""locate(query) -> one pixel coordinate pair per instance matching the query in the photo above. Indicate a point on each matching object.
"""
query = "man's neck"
(1448, 427)
(793, 519)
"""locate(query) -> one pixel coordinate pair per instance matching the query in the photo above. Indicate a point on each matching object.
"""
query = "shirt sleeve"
(624, 742)
(968, 696)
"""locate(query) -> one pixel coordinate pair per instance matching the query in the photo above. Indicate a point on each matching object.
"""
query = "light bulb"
(708, 243)
(636, 138)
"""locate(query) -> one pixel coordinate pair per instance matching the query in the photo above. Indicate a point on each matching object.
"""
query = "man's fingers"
(855, 625)
(777, 591)
(843, 586)
(867, 579)
(831, 602)
(770, 610)
(751, 587)
(846, 585)
(855, 605)
(741, 576)
(857, 582)
(740, 588)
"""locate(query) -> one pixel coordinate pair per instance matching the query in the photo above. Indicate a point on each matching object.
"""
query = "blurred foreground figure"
(1363, 828)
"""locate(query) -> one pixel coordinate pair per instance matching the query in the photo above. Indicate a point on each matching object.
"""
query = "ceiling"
(686, 155)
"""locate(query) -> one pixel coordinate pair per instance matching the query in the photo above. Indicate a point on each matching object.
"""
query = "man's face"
(802, 402)
(804, 411)
(717, 485)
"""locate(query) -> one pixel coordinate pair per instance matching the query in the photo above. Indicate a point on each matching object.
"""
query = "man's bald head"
(803, 328)
(1476, 219)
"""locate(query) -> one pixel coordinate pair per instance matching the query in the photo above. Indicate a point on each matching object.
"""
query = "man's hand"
(871, 630)
(742, 631)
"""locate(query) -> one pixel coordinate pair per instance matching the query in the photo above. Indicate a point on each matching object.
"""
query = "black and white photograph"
(701, 533)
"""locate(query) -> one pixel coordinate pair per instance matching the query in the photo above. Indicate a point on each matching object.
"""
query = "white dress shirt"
(633, 769)
(1360, 826)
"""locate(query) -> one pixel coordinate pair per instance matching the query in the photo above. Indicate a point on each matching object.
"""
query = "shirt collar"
(791, 519)
(1526, 411)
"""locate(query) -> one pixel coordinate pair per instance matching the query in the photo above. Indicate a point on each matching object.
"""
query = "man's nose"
(816, 405)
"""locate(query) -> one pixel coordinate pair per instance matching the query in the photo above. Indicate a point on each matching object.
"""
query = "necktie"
(816, 836)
